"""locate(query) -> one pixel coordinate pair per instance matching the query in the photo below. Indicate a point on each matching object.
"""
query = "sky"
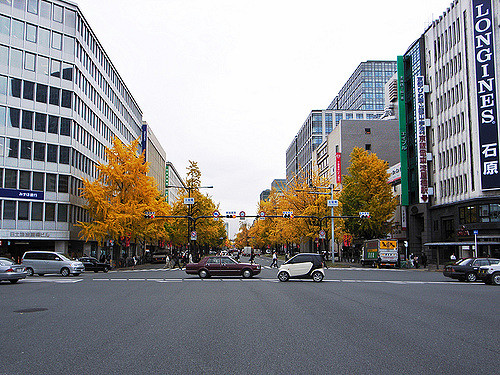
(229, 83)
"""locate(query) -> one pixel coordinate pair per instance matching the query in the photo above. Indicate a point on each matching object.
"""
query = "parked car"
(92, 264)
(11, 271)
(466, 269)
(308, 265)
(222, 266)
(489, 274)
(43, 262)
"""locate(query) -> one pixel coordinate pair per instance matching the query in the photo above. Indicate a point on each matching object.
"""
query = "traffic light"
(149, 214)
(231, 215)
(288, 214)
(364, 215)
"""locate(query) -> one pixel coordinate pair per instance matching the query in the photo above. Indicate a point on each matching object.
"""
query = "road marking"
(53, 281)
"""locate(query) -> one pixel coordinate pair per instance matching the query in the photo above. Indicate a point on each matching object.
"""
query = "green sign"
(403, 141)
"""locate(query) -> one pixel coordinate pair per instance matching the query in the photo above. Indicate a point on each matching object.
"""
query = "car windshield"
(465, 262)
(64, 257)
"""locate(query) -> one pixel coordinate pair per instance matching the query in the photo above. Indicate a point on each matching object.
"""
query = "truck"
(380, 252)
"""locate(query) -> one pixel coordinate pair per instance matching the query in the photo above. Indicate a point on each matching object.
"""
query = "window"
(43, 37)
(39, 151)
(66, 99)
(67, 72)
(51, 182)
(56, 40)
(45, 9)
(4, 25)
(53, 124)
(23, 209)
(55, 68)
(63, 186)
(69, 18)
(52, 153)
(40, 122)
(368, 131)
(43, 65)
(368, 147)
(29, 90)
(31, 33)
(10, 181)
(27, 120)
(50, 211)
(41, 93)
(36, 211)
(3, 112)
(65, 126)
(24, 180)
(16, 58)
(33, 6)
(54, 94)
(68, 45)
(20, 4)
(57, 13)
(13, 118)
(38, 181)
(17, 29)
(15, 87)
(62, 213)
(29, 61)
(25, 149)
(4, 55)
(13, 148)
(64, 155)
(9, 210)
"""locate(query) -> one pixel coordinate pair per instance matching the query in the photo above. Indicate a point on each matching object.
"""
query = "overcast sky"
(228, 83)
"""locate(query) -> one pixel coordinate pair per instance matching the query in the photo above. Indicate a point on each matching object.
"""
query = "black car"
(92, 264)
(466, 269)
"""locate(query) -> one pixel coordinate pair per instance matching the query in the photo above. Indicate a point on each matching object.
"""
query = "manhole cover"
(34, 309)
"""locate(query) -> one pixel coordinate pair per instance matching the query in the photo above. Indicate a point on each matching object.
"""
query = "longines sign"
(484, 47)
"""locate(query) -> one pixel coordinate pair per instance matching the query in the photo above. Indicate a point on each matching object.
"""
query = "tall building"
(449, 130)
(364, 90)
(61, 103)
(313, 132)
(155, 156)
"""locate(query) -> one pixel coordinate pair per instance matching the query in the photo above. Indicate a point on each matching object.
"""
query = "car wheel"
(65, 272)
(13, 281)
(495, 278)
(247, 274)
(203, 274)
(29, 271)
(317, 276)
(471, 277)
(283, 276)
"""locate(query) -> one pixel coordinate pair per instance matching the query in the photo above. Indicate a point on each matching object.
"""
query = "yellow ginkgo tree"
(119, 197)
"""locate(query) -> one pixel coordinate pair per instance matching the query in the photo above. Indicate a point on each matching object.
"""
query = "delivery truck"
(380, 252)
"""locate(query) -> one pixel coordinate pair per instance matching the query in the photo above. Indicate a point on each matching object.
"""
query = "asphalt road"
(163, 321)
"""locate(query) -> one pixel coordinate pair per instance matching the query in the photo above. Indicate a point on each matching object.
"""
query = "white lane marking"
(53, 281)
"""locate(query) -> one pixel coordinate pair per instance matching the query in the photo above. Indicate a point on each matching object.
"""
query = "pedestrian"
(412, 260)
(134, 260)
(415, 261)
(453, 258)
(252, 256)
(286, 255)
(167, 261)
(423, 258)
(175, 259)
(190, 258)
(275, 260)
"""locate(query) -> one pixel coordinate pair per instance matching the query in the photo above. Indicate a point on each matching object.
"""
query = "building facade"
(364, 90)
(449, 133)
(61, 103)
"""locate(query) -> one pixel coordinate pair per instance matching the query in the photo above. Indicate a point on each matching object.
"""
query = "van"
(43, 262)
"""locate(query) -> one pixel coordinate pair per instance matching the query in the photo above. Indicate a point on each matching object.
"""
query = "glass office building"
(364, 90)
(61, 103)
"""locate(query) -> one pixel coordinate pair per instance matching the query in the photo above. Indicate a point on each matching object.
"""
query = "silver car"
(43, 262)
(11, 271)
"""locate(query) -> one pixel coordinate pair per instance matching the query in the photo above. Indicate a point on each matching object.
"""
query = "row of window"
(453, 186)
(447, 39)
(453, 156)
(483, 213)
(38, 151)
(450, 98)
(45, 9)
(451, 127)
(36, 181)
(29, 120)
(450, 69)
(35, 63)
(34, 211)
(39, 92)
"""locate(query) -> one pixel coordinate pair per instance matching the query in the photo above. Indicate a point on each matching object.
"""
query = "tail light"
(10, 270)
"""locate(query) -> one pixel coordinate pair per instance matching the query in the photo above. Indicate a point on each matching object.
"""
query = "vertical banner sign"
(144, 139)
(486, 93)
(403, 143)
(338, 171)
(167, 178)
(421, 139)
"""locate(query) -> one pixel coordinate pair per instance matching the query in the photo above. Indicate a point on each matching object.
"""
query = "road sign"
(332, 203)
(364, 215)
(216, 213)
(188, 200)
(230, 214)
(322, 234)
(194, 236)
(149, 214)
(262, 215)
(476, 232)
(288, 214)
(242, 215)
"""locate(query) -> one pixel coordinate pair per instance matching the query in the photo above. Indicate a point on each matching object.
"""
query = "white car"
(490, 274)
(303, 265)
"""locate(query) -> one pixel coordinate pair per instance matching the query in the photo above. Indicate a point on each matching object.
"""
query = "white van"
(42, 262)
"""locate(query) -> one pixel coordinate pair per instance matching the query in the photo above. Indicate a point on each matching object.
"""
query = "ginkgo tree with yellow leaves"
(119, 197)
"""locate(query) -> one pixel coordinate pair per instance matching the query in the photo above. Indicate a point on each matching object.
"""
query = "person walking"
(167, 261)
(175, 259)
(423, 258)
(275, 260)
(252, 256)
